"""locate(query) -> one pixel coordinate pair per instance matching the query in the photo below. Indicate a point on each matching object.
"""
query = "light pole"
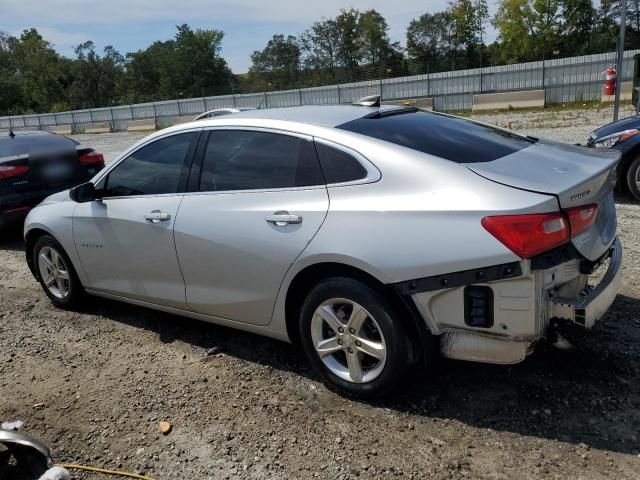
(620, 59)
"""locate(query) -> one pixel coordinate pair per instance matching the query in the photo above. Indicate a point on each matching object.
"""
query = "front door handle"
(283, 218)
(156, 216)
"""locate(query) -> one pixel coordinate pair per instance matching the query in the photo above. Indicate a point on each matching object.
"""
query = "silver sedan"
(373, 236)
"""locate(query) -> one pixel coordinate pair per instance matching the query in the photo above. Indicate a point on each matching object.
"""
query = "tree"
(349, 51)
(528, 29)
(377, 48)
(430, 40)
(278, 63)
(39, 68)
(198, 68)
(96, 77)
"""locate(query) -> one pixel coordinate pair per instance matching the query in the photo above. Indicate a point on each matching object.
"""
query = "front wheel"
(56, 273)
(353, 338)
(633, 177)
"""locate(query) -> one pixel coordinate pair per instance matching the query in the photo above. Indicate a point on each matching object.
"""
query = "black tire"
(633, 177)
(75, 292)
(392, 330)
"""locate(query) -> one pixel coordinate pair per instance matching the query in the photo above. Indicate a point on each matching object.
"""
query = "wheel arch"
(311, 275)
(30, 239)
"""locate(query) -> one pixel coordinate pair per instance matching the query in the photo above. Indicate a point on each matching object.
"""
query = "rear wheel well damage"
(403, 306)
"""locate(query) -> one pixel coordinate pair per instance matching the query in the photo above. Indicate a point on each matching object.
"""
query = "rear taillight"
(10, 171)
(581, 218)
(530, 234)
(91, 157)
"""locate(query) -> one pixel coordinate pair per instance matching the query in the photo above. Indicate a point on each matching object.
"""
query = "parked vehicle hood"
(617, 126)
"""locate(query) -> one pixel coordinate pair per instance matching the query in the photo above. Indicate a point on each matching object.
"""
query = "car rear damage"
(497, 314)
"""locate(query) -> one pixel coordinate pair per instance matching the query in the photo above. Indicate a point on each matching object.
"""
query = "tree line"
(354, 45)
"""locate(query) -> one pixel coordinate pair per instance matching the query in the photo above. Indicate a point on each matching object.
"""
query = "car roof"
(326, 115)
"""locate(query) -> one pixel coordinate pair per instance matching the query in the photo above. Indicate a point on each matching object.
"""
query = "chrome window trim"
(373, 174)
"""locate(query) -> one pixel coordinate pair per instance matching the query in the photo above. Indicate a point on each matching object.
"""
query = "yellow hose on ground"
(71, 466)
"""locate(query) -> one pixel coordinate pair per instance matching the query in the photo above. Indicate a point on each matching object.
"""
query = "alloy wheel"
(348, 340)
(54, 272)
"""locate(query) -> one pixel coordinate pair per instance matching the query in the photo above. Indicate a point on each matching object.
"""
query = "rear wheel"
(633, 177)
(353, 338)
(56, 273)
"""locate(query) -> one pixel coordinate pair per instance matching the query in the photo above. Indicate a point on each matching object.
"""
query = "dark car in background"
(624, 136)
(36, 164)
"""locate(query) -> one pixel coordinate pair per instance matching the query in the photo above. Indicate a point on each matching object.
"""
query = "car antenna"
(369, 101)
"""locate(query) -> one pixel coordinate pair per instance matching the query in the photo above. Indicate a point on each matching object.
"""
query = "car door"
(260, 199)
(125, 239)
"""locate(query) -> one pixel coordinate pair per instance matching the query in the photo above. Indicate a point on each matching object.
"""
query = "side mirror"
(85, 193)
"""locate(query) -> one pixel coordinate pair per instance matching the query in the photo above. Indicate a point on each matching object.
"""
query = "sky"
(130, 25)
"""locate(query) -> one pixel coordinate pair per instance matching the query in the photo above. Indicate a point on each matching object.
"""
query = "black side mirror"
(85, 193)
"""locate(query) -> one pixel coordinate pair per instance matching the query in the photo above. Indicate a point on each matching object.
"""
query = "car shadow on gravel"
(589, 395)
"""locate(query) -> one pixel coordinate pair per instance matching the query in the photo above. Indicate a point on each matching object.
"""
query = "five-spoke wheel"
(55, 272)
(353, 337)
(348, 340)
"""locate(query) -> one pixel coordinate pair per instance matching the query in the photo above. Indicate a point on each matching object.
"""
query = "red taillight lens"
(528, 235)
(91, 157)
(9, 171)
(581, 218)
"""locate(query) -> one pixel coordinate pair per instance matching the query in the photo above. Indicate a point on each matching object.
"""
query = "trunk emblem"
(580, 195)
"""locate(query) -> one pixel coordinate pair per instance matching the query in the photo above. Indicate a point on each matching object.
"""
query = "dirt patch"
(107, 376)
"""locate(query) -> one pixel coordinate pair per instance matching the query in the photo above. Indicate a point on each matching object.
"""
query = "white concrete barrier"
(425, 103)
(141, 125)
(103, 127)
(507, 100)
(61, 129)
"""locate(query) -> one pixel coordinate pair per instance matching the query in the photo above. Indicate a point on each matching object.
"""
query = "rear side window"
(157, 168)
(452, 138)
(248, 160)
(25, 144)
(339, 166)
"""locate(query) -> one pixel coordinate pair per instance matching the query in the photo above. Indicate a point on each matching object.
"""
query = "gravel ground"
(94, 385)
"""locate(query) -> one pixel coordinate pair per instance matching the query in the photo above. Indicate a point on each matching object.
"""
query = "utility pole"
(620, 60)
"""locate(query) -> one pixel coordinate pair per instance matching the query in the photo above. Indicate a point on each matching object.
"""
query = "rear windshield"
(452, 138)
(24, 144)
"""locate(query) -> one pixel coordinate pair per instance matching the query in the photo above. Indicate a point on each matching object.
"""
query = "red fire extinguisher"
(610, 81)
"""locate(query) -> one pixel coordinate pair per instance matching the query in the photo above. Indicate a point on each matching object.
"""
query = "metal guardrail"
(564, 80)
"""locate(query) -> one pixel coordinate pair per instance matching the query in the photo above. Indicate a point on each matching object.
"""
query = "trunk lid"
(574, 175)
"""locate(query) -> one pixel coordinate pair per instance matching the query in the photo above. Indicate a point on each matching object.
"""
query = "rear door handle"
(283, 218)
(156, 216)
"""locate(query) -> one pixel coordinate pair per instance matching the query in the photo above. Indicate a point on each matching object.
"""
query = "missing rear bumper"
(592, 304)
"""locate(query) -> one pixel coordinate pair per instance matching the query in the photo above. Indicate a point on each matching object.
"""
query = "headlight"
(615, 138)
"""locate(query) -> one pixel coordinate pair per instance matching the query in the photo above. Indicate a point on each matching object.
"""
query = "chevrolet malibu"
(373, 236)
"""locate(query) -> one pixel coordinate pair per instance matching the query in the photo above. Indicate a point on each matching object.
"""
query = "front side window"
(157, 168)
(248, 160)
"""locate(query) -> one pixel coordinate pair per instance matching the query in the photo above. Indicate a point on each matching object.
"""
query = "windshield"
(453, 138)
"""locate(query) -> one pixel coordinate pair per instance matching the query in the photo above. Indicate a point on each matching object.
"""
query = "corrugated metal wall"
(564, 80)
